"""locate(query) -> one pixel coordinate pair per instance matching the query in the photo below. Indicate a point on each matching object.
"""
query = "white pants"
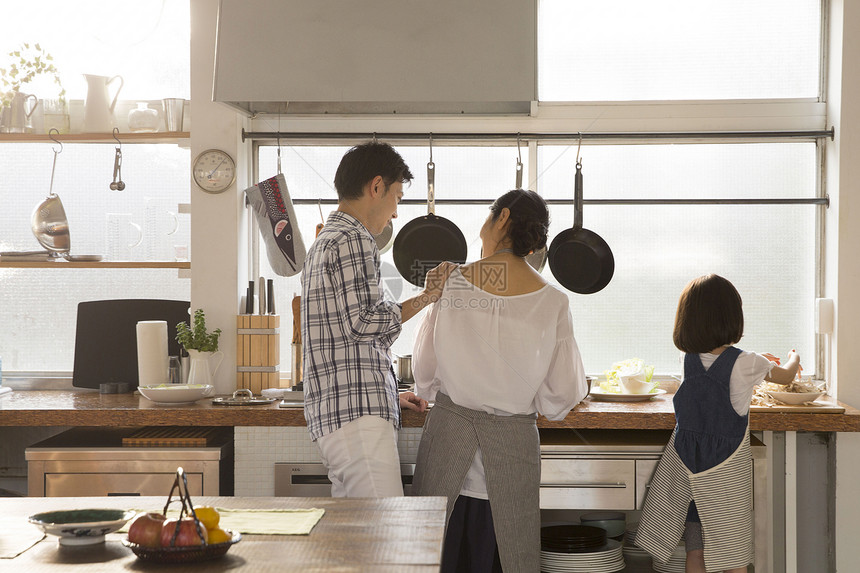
(362, 459)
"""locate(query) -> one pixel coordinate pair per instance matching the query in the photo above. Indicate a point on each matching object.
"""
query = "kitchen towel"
(270, 521)
(152, 357)
(273, 210)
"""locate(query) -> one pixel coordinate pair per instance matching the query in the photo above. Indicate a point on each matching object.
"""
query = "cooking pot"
(403, 368)
(580, 259)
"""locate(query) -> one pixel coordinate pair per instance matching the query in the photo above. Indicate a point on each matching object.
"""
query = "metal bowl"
(50, 225)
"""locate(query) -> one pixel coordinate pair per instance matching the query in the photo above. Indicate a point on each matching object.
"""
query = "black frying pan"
(427, 241)
(580, 259)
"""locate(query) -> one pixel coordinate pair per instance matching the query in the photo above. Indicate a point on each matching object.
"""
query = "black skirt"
(470, 540)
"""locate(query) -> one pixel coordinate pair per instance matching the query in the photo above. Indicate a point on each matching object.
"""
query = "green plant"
(27, 63)
(196, 337)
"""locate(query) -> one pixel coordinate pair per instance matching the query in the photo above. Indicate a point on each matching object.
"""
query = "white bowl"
(635, 385)
(81, 526)
(795, 398)
(176, 393)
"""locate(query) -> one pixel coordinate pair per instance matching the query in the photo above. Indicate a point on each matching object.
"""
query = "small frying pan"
(427, 241)
(580, 259)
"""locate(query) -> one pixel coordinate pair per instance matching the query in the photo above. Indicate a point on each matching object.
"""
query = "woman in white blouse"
(495, 350)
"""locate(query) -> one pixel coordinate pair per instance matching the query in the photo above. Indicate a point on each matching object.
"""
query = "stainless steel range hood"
(376, 56)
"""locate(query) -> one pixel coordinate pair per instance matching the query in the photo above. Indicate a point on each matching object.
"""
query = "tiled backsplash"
(258, 448)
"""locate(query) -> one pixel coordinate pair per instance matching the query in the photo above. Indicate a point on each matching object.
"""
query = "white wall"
(842, 263)
(218, 232)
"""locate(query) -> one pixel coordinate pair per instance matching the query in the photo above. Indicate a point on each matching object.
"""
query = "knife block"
(258, 357)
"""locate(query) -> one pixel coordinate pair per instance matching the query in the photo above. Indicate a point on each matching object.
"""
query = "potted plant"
(29, 62)
(201, 346)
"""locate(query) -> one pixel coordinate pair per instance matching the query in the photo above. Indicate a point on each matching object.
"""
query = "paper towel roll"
(152, 356)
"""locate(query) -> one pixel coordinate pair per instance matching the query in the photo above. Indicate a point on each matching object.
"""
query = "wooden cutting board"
(169, 437)
(824, 405)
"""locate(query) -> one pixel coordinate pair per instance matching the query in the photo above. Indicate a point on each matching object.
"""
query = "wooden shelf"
(124, 137)
(64, 264)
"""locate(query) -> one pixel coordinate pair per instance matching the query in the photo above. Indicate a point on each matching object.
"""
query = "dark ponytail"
(529, 220)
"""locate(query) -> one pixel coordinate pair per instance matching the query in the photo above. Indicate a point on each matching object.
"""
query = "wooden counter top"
(81, 407)
(400, 534)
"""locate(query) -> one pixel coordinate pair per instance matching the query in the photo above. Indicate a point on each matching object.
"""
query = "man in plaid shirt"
(352, 406)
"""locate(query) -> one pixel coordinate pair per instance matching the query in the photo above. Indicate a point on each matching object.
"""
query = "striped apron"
(714, 473)
(510, 448)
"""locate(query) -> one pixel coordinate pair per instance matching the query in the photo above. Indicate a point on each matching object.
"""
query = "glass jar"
(143, 119)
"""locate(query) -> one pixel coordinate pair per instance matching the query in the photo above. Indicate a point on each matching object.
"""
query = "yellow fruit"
(208, 516)
(218, 536)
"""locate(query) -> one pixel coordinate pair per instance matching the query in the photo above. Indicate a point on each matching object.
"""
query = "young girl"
(702, 487)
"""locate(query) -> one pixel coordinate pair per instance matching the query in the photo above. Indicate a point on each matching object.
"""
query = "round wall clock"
(214, 171)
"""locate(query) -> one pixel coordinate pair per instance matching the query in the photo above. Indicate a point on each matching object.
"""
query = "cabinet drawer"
(587, 484)
(102, 484)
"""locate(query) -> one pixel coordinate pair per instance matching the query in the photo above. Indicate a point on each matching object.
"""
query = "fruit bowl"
(81, 526)
(187, 554)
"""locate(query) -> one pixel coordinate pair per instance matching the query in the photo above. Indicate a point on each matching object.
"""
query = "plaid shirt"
(347, 330)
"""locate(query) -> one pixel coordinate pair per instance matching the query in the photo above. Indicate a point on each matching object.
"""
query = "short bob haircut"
(364, 162)
(710, 314)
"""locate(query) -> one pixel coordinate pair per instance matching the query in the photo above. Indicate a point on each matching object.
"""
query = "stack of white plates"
(637, 559)
(605, 559)
(677, 562)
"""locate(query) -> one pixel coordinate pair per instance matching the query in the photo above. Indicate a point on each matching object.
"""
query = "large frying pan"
(580, 259)
(427, 241)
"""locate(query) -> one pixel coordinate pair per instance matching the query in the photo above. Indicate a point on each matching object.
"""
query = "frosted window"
(626, 50)
(767, 251)
(39, 305)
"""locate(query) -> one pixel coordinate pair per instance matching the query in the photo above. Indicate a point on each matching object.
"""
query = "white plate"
(612, 397)
(175, 393)
(795, 398)
(81, 526)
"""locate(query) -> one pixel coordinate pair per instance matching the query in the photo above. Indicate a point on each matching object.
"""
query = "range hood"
(376, 56)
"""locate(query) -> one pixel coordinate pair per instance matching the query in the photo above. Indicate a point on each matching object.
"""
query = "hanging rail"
(512, 137)
(771, 201)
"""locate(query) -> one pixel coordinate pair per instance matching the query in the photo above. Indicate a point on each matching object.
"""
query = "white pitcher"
(98, 113)
(19, 120)
(200, 373)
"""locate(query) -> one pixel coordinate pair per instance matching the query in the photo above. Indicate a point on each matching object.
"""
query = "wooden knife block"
(258, 353)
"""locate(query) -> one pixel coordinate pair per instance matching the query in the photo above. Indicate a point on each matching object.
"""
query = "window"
(767, 251)
(147, 43)
(627, 50)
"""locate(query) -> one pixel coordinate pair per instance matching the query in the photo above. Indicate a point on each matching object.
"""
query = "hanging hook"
(578, 147)
(319, 205)
(57, 141)
(117, 184)
(431, 148)
(519, 174)
(54, 165)
(279, 150)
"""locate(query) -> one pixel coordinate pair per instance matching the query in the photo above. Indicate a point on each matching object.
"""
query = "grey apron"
(510, 449)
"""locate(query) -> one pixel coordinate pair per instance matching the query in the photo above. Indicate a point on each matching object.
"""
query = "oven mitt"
(276, 218)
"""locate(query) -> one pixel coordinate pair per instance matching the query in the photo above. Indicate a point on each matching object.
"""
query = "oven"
(311, 480)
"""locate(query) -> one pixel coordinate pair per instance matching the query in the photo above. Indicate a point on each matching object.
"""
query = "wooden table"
(387, 535)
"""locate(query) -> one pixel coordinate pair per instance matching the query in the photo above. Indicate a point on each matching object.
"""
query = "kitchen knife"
(262, 304)
(270, 296)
